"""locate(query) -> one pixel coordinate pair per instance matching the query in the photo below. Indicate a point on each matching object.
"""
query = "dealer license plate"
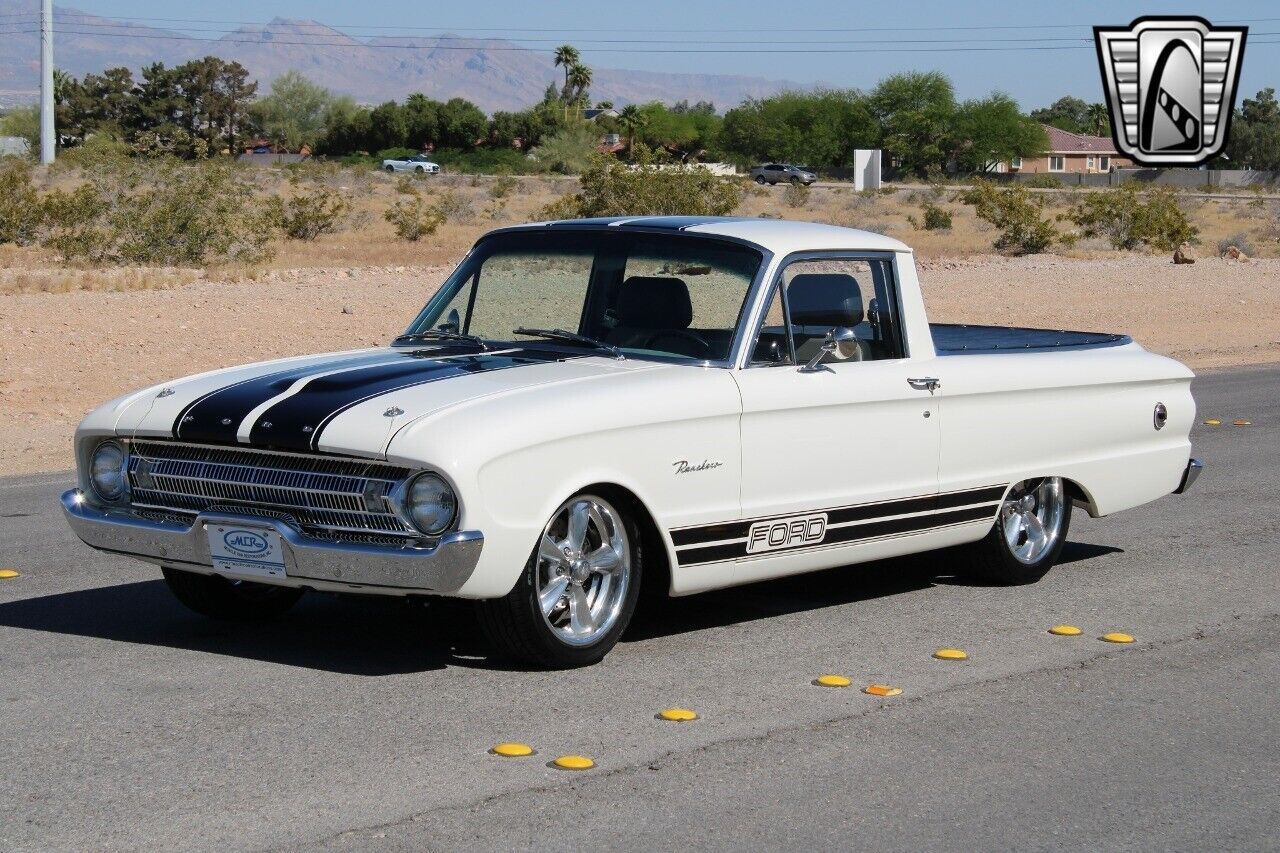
(252, 551)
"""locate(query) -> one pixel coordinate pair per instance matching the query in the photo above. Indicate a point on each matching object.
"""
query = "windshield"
(668, 295)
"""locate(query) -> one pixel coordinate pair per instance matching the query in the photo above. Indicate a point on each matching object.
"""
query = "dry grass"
(369, 241)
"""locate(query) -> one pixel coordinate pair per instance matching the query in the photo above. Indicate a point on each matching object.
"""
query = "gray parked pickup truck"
(773, 173)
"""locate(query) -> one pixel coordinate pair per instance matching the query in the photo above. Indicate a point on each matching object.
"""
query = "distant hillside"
(371, 70)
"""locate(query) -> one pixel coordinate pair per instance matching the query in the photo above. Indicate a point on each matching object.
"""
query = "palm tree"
(568, 56)
(1099, 119)
(632, 120)
(579, 81)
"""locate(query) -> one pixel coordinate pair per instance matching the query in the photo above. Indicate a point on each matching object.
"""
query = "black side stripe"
(862, 512)
(844, 535)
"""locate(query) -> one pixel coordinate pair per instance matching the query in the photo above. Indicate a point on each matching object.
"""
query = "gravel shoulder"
(64, 353)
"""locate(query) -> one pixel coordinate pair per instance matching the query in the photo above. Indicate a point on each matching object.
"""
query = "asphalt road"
(126, 722)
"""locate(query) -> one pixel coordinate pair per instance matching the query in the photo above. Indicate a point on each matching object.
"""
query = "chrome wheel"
(1031, 518)
(584, 570)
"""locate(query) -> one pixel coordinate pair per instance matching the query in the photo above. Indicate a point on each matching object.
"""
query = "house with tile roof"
(1071, 153)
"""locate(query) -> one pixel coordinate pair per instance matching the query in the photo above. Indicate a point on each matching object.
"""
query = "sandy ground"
(61, 354)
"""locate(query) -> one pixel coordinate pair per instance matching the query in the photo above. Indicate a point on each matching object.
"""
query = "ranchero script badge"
(1171, 85)
(682, 466)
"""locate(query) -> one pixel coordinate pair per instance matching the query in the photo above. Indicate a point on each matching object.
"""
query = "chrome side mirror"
(453, 323)
(841, 344)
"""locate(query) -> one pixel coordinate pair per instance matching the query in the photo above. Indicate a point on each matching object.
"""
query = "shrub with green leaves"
(21, 212)
(1129, 219)
(936, 218)
(413, 219)
(503, 186)
(307, 215)
(613, 188)
(1018, 215)
(75, 224)
(1043, 182)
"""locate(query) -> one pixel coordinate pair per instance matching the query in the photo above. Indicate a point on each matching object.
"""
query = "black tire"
(389, 169)
(795, 180)
(420, 170)
(760, 180)
(991, 559)
(230, 601)
(516, 629)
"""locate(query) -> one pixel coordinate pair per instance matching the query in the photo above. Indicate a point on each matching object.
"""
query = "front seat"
(647, 306)
(820, 302)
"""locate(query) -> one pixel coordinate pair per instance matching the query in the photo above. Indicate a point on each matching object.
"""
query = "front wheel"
(420, 170)
(232, 601)
(577, 593)
(389, 169)
(760, 180)
(1027, 537)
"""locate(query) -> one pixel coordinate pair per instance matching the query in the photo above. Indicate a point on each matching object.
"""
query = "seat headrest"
(654, 302)
(825, 299)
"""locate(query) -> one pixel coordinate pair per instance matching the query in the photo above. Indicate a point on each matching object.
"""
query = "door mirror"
(841, 344)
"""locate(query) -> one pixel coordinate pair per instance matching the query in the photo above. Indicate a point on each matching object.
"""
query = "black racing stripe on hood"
(296, 422)
(215, 417)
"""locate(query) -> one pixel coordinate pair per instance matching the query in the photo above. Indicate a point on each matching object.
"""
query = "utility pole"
(48, 142)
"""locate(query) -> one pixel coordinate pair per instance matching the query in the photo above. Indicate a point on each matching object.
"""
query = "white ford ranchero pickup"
(585, 407)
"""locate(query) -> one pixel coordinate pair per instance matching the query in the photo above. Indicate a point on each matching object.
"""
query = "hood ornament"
(393, 412)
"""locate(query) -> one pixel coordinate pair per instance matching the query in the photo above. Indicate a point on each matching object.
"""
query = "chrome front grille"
(322, 494)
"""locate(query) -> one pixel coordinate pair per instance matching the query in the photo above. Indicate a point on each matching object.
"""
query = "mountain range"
(493, 73)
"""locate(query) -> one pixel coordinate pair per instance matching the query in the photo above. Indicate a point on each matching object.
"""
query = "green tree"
(569, 150)
(1067, 113)
(817, 129)
(579, 84)
(632, 122)
(388, 127)
(992, 131)
(461, 124)
(1099, 120)
(568, 56)
(422, 120)
(1255, 133)
(917, 115)
(347, 128)
(293, 115)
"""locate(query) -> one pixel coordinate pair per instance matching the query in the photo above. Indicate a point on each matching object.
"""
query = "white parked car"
(417, 163)
(588, 408)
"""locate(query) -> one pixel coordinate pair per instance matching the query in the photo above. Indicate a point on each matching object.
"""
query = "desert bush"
(1042, 182)
(21, 212)
(307, 215)
(569, 151)
(1240, 241)
(1129, 220)
(502, 186)
(1023, 230)
(413, 219)
(74, 223)
(455, 206)
(612, 188)
(406, 185)
(100, 150)
(796, 195)
(936, 218)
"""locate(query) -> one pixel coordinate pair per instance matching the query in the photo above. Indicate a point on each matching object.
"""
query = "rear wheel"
(1027, 537)
(794, 179)
(760, 180)
(577, 593)
(233, 601)
(389, 168)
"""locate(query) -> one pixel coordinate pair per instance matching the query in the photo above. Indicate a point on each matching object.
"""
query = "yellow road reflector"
(1212, 422)
(882, 690)
(1065, 630)
(1116, 637)
(832, 681)
(5, 574)
(512, 750)
(574, 762)
(678, 715)
(1241, 422)
(951, 654)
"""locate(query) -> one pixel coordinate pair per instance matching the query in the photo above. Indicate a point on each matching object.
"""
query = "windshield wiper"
(442, 335)
(573, 337)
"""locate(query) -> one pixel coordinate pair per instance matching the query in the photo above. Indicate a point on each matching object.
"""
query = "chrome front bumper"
(442, 567)
(1194, 467)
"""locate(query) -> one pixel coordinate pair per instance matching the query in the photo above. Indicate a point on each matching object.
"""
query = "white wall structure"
(866, 169)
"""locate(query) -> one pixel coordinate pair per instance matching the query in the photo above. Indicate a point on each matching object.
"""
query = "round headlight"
(106, 471)
(431, 504)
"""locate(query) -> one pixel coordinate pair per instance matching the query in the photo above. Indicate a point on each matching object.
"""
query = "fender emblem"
(682, 466)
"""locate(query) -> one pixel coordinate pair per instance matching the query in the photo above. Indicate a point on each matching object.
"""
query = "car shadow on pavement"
(830, 588)
(350, 635)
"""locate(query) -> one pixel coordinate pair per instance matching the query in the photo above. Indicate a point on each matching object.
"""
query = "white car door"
(839, 464)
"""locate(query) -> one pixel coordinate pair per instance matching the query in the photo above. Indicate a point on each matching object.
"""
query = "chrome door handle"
(925, 383)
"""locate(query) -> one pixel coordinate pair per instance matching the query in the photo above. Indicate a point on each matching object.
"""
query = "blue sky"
(1034, 77)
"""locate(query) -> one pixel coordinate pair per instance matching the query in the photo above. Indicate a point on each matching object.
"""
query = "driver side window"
(817, 295)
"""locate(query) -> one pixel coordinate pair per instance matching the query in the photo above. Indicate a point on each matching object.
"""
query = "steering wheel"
(684, 334)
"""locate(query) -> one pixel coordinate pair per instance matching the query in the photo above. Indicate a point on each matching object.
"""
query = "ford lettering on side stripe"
(786, 533)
